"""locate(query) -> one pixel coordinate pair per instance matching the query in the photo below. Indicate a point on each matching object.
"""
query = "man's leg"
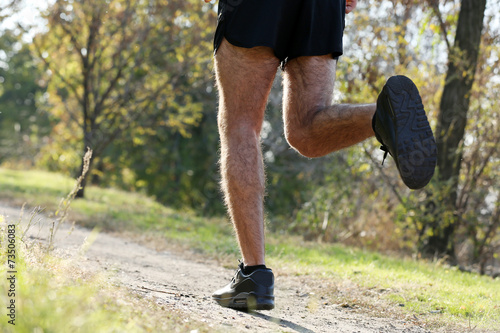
(313, 126)
(244, 80)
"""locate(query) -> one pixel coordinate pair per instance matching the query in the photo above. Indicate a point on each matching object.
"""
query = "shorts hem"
(334, 53)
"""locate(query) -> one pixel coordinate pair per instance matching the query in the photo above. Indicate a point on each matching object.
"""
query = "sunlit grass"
(423, 288)
(433, 291)
(114, 210)
(54, 295)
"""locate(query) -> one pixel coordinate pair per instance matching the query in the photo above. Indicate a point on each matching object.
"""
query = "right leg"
(244, 80)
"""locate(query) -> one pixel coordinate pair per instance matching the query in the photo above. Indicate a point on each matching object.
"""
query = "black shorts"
(292, 28)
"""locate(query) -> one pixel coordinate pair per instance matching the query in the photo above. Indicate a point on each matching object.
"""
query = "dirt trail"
(186, 284)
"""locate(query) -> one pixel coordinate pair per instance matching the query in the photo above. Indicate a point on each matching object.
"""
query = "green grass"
(114, 210)
(422, 288)
(437, 294)
(53, 295)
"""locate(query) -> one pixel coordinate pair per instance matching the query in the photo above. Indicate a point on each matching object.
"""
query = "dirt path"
(186, 284)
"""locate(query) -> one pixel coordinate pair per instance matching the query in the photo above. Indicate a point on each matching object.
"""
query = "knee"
(298, 140)
(242, 137)
(235, 127)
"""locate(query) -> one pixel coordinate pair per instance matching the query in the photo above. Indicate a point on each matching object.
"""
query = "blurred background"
(133, 80)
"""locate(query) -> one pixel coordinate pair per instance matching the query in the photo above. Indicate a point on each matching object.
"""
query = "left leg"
(313, 126)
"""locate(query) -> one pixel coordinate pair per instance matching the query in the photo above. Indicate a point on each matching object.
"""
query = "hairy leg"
(244, 80)
(313, 126)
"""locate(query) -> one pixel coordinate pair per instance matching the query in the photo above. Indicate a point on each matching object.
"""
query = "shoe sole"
(416, 151)
(247, 302)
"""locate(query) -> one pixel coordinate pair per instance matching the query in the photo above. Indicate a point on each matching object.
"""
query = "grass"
(118, 211)
(431, 290)
(435, 294)
(55, 295)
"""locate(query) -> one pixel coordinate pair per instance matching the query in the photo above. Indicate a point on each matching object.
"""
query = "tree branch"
(54, 70)
(442, 26)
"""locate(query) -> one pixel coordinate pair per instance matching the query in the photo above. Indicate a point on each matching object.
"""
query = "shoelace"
(240, 267)
(386, 152)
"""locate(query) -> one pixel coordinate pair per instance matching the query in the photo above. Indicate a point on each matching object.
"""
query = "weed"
(65, 203)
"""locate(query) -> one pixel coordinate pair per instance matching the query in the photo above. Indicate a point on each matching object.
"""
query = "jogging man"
(304, 37)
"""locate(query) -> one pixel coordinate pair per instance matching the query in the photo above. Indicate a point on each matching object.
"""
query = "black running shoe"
(254, 291)
(401, 125)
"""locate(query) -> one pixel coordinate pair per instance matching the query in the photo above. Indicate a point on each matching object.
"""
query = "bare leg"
(244, 80)
(313, 126)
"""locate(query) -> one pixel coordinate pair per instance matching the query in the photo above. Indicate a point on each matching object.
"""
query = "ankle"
(250, 269)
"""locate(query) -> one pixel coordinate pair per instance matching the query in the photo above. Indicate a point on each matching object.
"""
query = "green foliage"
(120, 67)
(171, 156)
(23, 126)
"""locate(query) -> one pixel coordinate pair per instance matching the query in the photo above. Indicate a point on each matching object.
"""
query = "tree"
(116, 64)
(452, 120)
(22, 124)
(173, 161)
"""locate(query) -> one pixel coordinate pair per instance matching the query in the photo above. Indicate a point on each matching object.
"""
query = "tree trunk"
(452, 119)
